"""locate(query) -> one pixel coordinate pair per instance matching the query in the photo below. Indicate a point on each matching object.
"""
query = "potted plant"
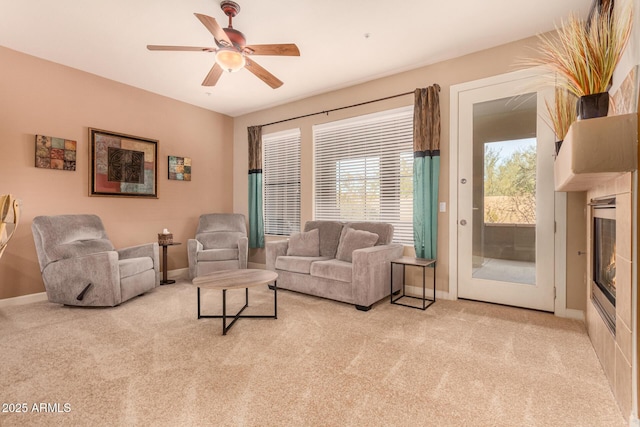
(562, 113)
(585, 54)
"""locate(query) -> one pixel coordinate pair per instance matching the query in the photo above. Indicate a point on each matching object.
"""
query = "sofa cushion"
(220, 239)
(382, 229)
(304, 244)
(217, 255)
(354, 239)
(80, 248)
(332, 269)
(329, 234)
(132, 266)
(221, 222)
(297, 264)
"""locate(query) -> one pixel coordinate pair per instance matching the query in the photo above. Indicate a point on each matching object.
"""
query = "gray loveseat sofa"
(348, 262)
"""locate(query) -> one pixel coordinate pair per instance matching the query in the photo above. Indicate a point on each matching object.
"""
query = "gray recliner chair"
(221, 244)
(80, 266)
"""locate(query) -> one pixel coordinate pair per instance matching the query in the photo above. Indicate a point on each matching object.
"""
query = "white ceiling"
(109, 38)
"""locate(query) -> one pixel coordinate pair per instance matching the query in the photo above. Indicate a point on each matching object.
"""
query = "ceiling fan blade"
(262, 74)
(213, 76)
(181, 48)
(215, 29)
(288, 49)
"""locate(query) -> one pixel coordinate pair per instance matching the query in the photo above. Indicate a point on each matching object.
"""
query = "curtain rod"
(341, 108)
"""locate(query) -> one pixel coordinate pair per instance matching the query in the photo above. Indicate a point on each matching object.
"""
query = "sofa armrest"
(65, 279)
(372, 272)
(193, 247)
(274, 250)
(243, 251)
(150, 250)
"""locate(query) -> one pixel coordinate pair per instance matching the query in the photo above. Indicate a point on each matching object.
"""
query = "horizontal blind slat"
(281, 176)
(364, 170)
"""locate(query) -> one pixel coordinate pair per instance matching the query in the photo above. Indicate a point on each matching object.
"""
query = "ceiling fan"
(232, 51)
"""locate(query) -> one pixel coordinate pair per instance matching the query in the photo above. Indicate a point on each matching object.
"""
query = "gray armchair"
(221, 244)
(80, 266)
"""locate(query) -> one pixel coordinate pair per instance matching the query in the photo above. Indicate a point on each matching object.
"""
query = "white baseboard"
(634, 422)
(24, 299)
(183, 273)
(570, 313)
(415, 290)
(178, 273)
(257, 265)
(574, 314)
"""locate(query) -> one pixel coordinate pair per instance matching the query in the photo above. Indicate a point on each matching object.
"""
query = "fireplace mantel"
(596, 150)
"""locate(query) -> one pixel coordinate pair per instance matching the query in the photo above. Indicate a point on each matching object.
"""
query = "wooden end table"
(416, 262)
(237, 279)
(164, 280)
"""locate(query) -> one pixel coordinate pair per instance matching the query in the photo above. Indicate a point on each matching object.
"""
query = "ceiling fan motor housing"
(231, 9)
(237, 38)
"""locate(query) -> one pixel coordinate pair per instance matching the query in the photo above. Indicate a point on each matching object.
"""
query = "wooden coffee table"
(237, 279)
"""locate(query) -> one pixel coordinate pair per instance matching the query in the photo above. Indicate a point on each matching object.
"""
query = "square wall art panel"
(180, 168)
(123, 165)
(55, 153)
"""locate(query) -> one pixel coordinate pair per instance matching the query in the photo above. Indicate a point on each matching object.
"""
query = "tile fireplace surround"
(615, 352)
(600, 156)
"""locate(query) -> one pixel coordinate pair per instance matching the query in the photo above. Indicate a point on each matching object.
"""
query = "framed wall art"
(180, 168)
(122, 165)
(55, 153)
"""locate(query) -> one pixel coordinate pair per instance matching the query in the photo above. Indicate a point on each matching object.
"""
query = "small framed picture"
(180, 168)
(55, 153)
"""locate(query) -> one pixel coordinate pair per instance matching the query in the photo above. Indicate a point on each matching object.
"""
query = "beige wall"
(576, 251)
(467, 68)
(40, 97)
(631, 56)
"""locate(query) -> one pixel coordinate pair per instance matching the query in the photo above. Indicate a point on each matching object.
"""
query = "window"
(510, 182)
(281, 175)
(364, 170)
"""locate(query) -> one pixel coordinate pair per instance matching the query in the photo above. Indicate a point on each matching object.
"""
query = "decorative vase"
(558, 145)
(594, 105)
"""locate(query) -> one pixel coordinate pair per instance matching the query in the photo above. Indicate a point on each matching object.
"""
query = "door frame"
(560, 209)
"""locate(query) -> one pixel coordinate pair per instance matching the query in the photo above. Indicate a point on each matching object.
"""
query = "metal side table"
(416, 262)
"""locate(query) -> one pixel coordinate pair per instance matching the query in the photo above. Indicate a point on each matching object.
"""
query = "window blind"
(364, 170)
(281, 174)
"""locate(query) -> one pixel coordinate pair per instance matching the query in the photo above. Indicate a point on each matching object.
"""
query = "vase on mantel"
(593, 106)
(558, 145)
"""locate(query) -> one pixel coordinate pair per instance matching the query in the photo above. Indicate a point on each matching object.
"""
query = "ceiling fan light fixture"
(230, 59)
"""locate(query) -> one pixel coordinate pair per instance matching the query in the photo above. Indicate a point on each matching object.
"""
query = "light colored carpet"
(151, 362)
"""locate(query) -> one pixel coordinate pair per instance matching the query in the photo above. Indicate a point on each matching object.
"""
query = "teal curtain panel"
(426, 170)
(256, 220)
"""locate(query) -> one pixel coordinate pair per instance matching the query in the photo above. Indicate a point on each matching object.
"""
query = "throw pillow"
(304, 244)
(352, 240)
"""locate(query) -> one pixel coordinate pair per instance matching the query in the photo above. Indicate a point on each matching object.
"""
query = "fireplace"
(603, 286)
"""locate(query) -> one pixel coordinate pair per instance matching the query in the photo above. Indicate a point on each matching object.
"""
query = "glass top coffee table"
(237, 279)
